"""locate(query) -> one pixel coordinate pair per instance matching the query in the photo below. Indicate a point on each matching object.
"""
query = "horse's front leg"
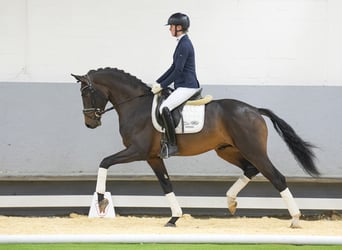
(101, 189)
(160, 171)
(127, 155)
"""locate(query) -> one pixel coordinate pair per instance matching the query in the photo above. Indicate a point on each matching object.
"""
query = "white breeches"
(177, 97)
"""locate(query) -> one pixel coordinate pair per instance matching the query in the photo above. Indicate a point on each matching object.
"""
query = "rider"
(182, 73)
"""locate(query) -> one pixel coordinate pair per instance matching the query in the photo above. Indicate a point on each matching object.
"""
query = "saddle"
(188, 117)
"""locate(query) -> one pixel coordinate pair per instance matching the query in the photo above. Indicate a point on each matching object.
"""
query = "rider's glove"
(156, 88)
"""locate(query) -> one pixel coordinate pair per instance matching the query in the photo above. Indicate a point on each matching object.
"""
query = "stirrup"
(168, 150)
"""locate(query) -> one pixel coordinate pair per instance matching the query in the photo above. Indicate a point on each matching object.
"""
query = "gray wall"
(43, 134)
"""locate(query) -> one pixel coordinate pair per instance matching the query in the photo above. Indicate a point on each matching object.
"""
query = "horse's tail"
(302, 150)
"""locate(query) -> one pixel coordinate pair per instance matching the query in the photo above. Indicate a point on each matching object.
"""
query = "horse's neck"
(128, 100)
(134, 113)
(126, 96)
(119, 92)
(123, 97)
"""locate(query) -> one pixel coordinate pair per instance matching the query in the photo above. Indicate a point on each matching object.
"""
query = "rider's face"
(172, 30)
(175, 30)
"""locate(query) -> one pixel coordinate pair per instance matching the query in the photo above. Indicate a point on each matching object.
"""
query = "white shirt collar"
(180, 37)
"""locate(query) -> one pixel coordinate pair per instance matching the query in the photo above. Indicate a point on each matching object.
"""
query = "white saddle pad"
(193, 118)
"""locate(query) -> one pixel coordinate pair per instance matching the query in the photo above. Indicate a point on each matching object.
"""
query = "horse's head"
(94, 101)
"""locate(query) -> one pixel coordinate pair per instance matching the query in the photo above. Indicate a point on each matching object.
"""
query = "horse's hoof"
(169, 224)
(295, 222)
(232, 204)
(102, 206)
(172, 222)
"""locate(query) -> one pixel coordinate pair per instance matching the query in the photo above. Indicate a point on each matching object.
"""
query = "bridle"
(98, 112)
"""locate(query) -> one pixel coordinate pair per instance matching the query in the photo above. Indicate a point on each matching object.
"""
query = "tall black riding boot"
(170, 148)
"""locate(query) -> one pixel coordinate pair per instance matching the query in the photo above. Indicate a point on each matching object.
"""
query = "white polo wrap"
(290, 202)
(101, 180)
(237, 186)
(175, 208)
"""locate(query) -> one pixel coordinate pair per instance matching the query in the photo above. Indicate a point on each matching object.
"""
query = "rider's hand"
(156, 88)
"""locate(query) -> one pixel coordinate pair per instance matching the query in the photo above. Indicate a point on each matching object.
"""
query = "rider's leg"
(170, 132)
(177, 97)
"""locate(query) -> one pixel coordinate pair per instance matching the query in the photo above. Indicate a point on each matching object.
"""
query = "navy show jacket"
(183, 69)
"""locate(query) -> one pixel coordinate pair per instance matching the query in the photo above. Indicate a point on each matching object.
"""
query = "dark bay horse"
(235, 130)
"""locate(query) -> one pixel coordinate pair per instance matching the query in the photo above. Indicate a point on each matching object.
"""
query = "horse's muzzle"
(93, 124)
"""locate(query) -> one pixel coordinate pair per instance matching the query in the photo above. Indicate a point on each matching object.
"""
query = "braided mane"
(126, 77)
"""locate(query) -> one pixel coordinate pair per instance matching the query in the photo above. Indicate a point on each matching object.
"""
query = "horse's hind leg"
(250, 139)
(160, 171)
(260, 160)
(279, 182)
(249, 171)
(233, 192)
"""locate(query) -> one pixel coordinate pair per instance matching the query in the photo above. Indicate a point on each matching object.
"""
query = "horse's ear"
(79, 78)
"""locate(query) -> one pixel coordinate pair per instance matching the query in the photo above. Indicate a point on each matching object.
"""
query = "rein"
(99, 112)
(106, 110)
(128, 100)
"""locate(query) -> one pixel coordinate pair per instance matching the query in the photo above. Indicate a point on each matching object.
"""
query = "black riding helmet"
(179, 19)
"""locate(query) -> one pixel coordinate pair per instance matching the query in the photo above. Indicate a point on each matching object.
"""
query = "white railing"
(21, 201)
